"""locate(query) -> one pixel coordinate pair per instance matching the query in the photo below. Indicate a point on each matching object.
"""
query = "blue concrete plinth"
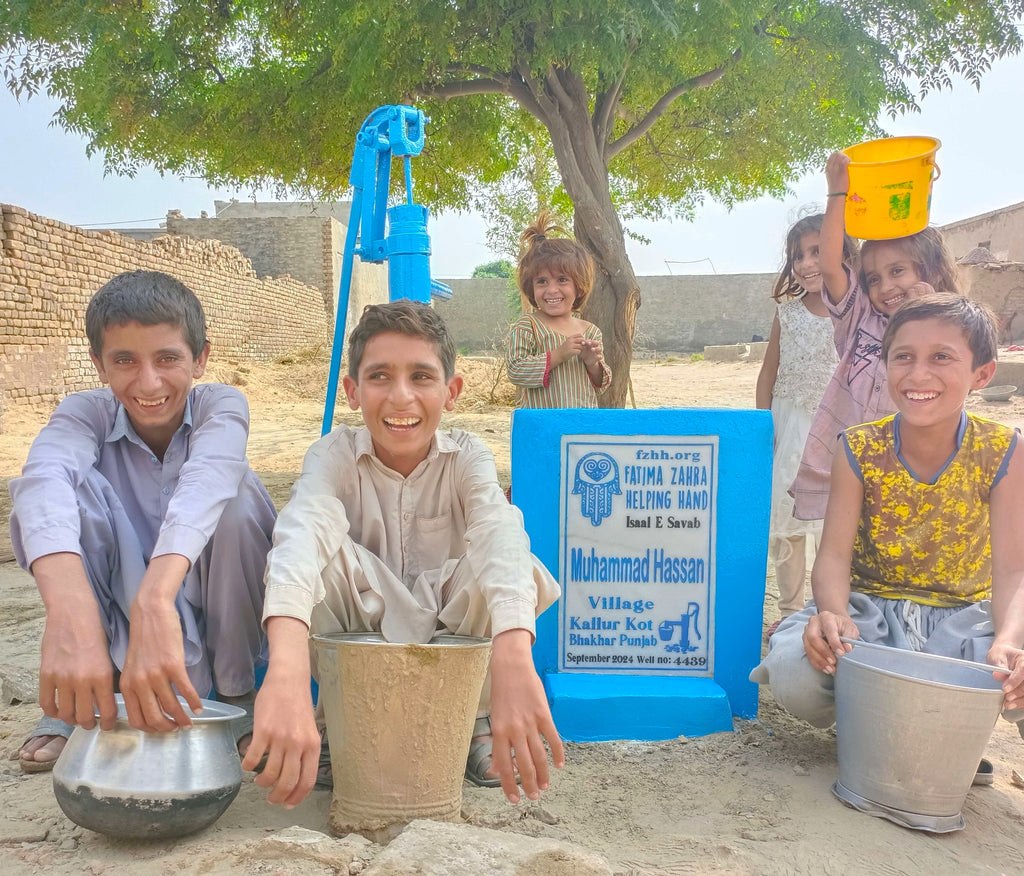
(596, 708)
(634, 658)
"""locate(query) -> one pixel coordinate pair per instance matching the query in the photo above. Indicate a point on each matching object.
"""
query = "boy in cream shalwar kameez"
(398, 528)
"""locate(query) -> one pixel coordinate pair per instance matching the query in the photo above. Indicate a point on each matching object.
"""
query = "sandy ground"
(756, 800)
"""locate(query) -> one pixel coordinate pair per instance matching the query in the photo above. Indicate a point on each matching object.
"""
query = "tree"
(512, 202)
(650, 105)
(501, 269)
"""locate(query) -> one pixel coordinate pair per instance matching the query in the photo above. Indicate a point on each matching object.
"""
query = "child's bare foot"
(40, 751)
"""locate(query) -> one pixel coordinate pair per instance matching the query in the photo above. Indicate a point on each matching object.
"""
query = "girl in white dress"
(797, 366)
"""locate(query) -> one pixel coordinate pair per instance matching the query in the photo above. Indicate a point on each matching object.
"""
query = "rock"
(20, 832)
(801, 770)
(433, 848)
(542, 815)
(311, 845)
(17, 685)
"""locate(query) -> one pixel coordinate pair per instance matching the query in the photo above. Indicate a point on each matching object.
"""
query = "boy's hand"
(520, 718)
(569, 348)
(1011, 660)
(76, 675)
(836, 173)
(283, 724)
(284, 728)
(155, 661)
(821, 639)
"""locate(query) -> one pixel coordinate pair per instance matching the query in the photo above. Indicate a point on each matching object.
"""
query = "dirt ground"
(754, 801)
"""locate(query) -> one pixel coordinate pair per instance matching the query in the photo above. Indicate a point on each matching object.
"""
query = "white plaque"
(638, 554)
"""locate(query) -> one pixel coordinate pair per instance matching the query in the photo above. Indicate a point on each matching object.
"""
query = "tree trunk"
(612, 308)
(614, 301)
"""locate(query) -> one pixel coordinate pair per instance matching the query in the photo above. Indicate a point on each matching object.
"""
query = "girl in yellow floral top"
(923, 544)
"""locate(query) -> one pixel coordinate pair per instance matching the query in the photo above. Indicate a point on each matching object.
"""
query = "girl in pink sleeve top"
(892, 272)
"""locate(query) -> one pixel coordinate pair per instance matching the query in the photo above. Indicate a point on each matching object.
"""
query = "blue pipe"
(341, 313)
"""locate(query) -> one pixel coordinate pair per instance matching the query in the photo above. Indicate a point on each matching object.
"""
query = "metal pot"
(127, 783)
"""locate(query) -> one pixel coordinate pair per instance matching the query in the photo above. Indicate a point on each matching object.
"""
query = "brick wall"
(680, 313)
(1001, 287)
(684, 314)
(275, 246)
(49, 270)
(306, 247)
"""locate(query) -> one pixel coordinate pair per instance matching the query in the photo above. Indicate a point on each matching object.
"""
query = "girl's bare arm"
(833, 228)
(769, 368)
(1007, 536)
(830, 577)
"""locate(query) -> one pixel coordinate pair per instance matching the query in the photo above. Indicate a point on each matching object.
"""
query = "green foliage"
(696, 357)
(645, 107)
(513, 300)
(245, 92)
(512, 202)
(492, 270)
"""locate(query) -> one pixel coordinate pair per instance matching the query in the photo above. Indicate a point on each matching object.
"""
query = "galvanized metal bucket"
(911, 729)
(399, 721)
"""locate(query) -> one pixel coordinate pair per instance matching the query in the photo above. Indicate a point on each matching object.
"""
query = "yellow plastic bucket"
(890, 190)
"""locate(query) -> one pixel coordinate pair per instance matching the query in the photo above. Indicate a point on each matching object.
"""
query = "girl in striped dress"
(555, 358)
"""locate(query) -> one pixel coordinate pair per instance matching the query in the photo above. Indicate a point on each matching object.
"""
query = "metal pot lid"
(443, 639)
(213, 711)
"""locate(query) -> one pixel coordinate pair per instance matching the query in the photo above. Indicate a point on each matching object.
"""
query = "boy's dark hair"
(407, 318)
(562, 255)
(148, 298)
(787, 286)
(976, 320)
(928, 251)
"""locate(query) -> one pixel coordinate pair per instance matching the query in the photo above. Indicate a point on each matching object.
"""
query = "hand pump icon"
(685, 623)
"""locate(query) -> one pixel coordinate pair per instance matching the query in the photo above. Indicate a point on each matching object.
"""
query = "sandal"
(241, 727)
(479, 760)
(986, 773)
(47, 726)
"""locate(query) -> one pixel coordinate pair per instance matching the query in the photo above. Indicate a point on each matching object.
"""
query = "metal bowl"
(127, 783)
(996, 393)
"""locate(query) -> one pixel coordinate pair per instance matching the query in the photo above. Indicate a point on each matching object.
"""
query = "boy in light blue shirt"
(143, 526)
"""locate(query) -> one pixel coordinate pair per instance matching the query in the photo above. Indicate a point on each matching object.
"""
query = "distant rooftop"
(1012, 208)
(980, 255)
(235, 209)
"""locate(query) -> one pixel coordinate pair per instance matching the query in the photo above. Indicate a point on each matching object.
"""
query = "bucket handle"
(938, 173)
(986, 666)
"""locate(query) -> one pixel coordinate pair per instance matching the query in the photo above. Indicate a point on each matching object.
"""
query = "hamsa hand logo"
(596, 481)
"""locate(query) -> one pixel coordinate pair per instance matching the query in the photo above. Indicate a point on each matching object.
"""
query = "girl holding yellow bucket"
(894, 269)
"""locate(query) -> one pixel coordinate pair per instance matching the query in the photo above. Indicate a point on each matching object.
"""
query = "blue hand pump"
(387, 131)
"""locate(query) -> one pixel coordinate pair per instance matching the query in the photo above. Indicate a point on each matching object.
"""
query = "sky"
(45, 170)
